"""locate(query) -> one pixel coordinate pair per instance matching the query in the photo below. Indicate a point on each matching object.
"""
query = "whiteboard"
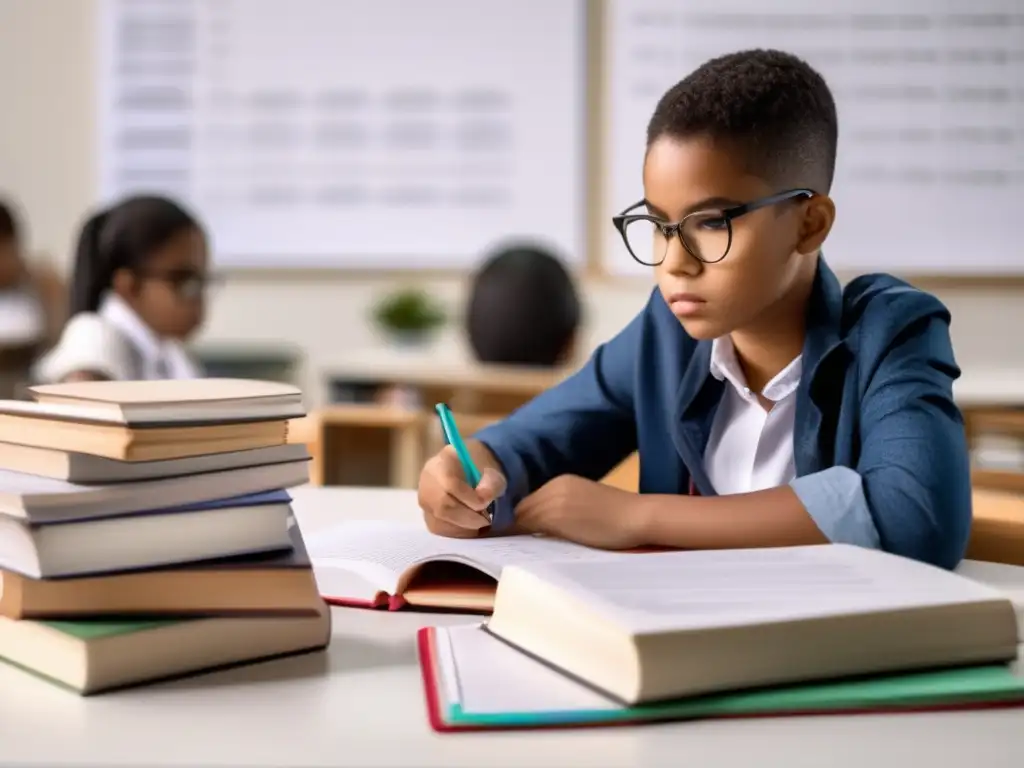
(346, 133)
(930, 94)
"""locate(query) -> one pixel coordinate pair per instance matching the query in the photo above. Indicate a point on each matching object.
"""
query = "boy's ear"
(124, 283)
(819, 216)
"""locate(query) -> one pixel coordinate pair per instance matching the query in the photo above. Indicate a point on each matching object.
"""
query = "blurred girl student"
(137, 294)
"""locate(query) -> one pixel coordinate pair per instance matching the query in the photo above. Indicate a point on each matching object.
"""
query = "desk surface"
(360, 703)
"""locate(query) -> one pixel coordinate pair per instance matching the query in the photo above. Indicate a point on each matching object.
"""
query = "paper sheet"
(469, 660)
(380, 551)
(679, 590)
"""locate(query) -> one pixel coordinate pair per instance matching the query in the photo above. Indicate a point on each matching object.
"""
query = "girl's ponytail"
(93, 271)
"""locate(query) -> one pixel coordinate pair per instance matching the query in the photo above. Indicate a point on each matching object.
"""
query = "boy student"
(137, 293)
(770, 405)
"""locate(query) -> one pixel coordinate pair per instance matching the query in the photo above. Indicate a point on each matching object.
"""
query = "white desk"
(361, 704)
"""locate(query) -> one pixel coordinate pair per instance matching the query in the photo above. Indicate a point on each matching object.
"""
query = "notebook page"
(487, 676)
(380, 551)
(681, 590)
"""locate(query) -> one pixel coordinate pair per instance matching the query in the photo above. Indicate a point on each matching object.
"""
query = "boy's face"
(767, 258)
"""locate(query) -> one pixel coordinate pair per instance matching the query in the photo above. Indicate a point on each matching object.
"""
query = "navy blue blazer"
(879, 445)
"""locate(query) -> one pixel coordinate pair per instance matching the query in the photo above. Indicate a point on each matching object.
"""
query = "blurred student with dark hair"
(523, 308)
(12, 264)
(22, 316)
(31, 310)
(137, 293)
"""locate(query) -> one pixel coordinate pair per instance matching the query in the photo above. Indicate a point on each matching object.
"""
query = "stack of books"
(146, 531)
(685, 635)
(585, 637)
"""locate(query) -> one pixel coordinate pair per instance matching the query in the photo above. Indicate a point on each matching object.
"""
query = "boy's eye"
(712, 223)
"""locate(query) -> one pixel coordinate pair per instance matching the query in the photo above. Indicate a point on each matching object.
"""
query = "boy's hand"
(585, 512)
(450, 506)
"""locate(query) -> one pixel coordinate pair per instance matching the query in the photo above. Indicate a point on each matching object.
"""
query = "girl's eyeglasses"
(187, 284)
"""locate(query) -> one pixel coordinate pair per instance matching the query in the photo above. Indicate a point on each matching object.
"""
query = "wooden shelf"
(990, 479)
(1000, 421)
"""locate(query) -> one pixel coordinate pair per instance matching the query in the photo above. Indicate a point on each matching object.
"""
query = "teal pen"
(454, 439)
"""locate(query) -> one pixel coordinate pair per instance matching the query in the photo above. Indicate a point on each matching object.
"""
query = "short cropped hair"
(770, 106)
(523, 309)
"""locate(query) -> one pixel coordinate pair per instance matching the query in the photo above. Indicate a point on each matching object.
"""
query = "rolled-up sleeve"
(835, 500)
(86, 344)
(910, 493)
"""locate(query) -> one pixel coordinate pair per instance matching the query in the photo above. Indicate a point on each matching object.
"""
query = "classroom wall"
(47, 160)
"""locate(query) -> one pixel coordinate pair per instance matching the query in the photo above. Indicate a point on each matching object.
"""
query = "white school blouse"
(116, 343)
(750, 448)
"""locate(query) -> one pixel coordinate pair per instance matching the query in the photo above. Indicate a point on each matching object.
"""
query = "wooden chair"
(627, 475)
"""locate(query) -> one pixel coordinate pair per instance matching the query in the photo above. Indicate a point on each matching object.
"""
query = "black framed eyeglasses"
(706, 235)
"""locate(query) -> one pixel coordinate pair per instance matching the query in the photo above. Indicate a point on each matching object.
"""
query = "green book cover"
(100, 629)
(523, 692)
(962, 687)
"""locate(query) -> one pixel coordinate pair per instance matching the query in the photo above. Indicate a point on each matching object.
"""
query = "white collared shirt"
(161, 358)
(751, 448)
(116, 343)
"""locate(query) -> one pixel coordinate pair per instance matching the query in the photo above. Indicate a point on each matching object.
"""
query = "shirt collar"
(724, 366)
(122, 317)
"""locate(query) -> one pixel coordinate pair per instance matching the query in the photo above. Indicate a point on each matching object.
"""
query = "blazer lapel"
(823, 338)
(697, 402)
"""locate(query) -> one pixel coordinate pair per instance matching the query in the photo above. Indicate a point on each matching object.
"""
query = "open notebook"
(473, 681)
(379, 564)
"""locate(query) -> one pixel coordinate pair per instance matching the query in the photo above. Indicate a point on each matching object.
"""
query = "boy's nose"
(679, 261)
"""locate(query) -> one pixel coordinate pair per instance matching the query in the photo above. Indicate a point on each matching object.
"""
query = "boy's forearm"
(769, 518)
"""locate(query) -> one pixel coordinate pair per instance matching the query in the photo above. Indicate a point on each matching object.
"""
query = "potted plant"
(409, 316)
